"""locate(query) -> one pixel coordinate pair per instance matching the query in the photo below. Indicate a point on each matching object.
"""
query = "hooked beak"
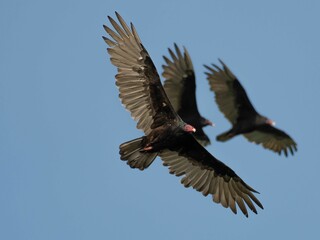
(210, 123)
(189, 128)
(270, 122)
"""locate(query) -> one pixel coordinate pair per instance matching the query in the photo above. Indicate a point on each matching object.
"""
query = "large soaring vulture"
(237, 108)
(166, 134)
(180, 87)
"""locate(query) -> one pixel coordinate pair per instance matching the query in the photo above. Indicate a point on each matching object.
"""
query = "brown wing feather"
(208, 175)
(179, 81)
(139, 84)
(274, 139)
(230, 96)
(180, 87)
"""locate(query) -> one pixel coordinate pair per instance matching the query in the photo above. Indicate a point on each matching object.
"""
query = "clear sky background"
(62, 122)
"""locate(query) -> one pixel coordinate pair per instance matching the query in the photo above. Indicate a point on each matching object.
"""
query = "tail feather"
(225, 136)
(132, 152)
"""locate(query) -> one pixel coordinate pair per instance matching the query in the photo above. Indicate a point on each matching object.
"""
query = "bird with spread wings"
(234, 103)
(166, 135)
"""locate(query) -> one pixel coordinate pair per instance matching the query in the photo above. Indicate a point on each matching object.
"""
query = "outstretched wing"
(272, 138)
(180, 84)
(139, 84)
(230, 96)
(180, 87)
(208, 175)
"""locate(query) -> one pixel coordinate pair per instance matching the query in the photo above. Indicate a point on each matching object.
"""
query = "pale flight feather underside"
(129, 56)
(228, 191)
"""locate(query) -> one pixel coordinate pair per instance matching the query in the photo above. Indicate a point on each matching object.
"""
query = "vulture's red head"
(270, 122)
(189, 128)
(208, 123)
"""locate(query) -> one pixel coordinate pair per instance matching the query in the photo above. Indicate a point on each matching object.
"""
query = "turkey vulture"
(180, 87)
(233, 101)
(166, 134)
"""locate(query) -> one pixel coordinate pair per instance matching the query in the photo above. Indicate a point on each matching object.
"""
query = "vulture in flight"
(234, 103)
(180, 87)
(165, 134)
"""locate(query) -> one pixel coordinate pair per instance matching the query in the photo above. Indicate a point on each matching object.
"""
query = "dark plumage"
(237, 108)
(180, 87)
(166, 134)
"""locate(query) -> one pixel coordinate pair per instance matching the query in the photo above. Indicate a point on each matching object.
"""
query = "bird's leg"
(147, 148)
(151, 141)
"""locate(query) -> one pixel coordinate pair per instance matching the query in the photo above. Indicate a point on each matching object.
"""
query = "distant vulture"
(180, 87)
(237, 108)
(166, 134)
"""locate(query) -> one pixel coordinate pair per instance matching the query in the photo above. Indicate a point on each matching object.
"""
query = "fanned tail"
(132, 152)
(225, 136)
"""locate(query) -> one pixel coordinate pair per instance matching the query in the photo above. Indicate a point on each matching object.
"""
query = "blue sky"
(62, 122)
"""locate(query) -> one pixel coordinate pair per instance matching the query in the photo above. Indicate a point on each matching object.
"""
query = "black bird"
(234, 103)
(180, 87)
(166, 134)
